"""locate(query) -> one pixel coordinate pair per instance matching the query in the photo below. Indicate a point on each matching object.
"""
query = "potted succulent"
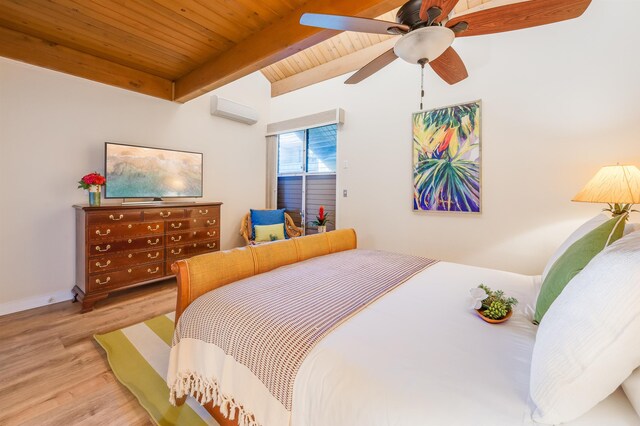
(321, 220)
(492, 306)
(93, 183)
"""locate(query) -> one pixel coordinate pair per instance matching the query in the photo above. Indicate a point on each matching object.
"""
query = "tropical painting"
(446, 159)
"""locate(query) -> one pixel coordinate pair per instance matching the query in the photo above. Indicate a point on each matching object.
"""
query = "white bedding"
(420, 356)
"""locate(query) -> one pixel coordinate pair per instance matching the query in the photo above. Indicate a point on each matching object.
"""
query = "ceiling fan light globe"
(424, 43)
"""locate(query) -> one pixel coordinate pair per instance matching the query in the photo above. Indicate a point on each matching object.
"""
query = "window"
(307, 174)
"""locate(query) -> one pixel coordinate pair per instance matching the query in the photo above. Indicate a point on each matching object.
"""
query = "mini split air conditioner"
(225, 108)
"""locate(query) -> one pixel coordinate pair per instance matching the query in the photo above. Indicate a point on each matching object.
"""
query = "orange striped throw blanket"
(241, 345)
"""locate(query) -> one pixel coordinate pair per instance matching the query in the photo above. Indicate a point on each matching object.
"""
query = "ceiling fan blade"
(446, 6)
(372, 67)
(517, 16)
(450, 67)
(352, 23)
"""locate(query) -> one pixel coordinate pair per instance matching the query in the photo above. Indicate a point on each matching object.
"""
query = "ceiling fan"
(427, 32)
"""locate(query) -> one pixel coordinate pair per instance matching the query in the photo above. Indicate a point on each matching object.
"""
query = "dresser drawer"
(139, 243)
(124, 260)
(207, 211)
(161, 214)
(183, 237)
(181, 225)
(114, 217)
(187, 250)
(124, 277)
(109, 231)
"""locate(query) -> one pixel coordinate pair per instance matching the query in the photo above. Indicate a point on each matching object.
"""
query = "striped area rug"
(139, 356)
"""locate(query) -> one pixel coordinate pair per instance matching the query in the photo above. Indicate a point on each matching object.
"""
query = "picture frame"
(446, 159)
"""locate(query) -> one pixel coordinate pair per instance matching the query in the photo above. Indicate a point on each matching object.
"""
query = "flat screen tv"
(144, 172)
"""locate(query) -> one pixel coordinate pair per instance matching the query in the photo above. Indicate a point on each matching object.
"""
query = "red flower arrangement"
(322, 219)
(91, 179)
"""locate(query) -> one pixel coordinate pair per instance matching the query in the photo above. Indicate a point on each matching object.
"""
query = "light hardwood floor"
(52, 371)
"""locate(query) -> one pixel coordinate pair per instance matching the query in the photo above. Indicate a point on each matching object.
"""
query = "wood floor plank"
(52, 372)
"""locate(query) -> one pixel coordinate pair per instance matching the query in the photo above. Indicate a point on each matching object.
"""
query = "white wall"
(559, 102)
(52, 132)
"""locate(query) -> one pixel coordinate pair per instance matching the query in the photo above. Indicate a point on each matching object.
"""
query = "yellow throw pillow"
(269, 232)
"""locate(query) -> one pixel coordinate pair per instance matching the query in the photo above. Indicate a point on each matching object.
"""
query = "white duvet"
(420, 356)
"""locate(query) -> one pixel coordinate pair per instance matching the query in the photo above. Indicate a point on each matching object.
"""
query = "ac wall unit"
(225, 108)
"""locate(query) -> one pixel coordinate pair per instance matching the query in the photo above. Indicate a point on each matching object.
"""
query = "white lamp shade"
(424, 43)
(612, 184)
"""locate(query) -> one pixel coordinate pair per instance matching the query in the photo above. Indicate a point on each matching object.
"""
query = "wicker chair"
(290, 227)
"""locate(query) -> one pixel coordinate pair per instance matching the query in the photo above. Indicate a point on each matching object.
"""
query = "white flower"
(477, 296)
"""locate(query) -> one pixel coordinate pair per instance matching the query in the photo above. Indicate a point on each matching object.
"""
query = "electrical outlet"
(344, 193)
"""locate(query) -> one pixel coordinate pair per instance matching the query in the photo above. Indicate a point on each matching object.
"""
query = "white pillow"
(631, 227)
(631, 388)
(588, 343)
(583, 230)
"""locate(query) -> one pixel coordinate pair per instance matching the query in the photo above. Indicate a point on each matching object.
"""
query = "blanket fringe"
(205, 390)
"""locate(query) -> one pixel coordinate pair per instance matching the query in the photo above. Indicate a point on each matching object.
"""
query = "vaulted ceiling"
(180, 49)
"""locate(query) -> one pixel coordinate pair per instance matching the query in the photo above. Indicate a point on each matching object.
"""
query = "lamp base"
(617, 209)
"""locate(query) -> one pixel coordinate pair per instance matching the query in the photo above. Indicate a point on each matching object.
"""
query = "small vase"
(322, 229)
(94, 195)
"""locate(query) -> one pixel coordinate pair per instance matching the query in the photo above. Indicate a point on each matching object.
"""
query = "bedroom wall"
(52, 132)
(558, 101)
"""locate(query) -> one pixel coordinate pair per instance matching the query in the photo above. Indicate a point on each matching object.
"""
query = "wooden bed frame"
(201, 274)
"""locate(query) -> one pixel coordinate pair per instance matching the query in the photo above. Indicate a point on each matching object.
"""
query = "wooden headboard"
(200, 274)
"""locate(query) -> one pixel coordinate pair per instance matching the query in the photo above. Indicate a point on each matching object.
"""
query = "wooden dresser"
(119, 247)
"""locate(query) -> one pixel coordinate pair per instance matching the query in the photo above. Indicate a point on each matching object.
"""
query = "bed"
(416, 355)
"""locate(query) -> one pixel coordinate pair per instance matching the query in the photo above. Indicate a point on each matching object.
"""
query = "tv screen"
(142, 172)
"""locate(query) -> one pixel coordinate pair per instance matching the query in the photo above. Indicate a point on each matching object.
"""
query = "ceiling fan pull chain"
(421, 82)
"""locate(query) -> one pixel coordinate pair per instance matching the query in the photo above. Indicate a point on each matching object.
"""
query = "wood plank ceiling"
(180, 49)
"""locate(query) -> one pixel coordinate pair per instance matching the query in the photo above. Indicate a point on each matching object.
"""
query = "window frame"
(306, 173)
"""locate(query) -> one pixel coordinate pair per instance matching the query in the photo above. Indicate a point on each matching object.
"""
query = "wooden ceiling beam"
(340, 66)
(275, 42)
(36, 51)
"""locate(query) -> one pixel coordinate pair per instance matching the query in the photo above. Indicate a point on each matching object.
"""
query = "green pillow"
(269, 232)
(574, 260)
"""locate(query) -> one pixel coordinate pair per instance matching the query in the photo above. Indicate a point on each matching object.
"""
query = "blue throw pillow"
(266, 217)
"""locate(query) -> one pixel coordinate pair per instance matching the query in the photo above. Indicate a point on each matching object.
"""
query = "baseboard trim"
(13, 306)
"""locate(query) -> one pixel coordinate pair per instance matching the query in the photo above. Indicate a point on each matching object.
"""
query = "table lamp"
(618, 186)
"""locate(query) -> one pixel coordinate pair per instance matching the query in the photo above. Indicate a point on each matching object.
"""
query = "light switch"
(344, 193)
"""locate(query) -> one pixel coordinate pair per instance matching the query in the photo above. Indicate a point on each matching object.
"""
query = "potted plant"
(492, 306)
(93, 183)
(321, 220)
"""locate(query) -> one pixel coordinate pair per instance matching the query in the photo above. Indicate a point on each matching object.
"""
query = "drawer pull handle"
(153, 257)
(211, 222)
(176, 252)
(163, 214)
(112, 217)
(211, 245)
(101, 234)
(176, 239)
(129, 255)
(129, 240)
(103, 266)
(154, 271)
(174, 226)
(203, 212)
(211, 234)
(153, 229)
(153, 244)
(105, 249)
(129, 270)
(103, 282)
